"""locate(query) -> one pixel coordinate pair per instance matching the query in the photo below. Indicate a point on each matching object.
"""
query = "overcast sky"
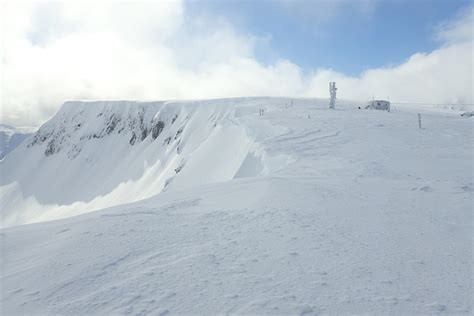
(411, 51)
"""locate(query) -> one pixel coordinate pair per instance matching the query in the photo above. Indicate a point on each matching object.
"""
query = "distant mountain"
(10, 138)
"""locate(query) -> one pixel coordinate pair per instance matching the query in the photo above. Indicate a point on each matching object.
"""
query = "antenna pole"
(332, 93)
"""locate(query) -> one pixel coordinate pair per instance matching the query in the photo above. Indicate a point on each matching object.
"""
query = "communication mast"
(332, 92)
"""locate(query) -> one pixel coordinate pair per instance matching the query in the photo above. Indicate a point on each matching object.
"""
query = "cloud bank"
(53, 52)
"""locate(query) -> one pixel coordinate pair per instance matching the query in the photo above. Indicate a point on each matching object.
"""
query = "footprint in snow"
(306, 310)
(17, 291)
(437, 307)
(163, 312)
(426, 189)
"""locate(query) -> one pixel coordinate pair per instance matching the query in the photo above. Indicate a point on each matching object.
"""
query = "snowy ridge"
(103, 153)
(371, 215)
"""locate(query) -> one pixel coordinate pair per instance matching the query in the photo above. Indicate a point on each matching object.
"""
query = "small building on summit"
(378, 105)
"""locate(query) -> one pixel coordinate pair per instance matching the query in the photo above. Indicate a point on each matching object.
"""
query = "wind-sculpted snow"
(301, 211)
(97, 154)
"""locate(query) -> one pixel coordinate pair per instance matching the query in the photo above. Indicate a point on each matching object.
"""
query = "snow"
(106, 155)
(345, 212)
(10, 138)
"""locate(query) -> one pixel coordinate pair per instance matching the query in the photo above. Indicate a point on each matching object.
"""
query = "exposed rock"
(174, 118)
(178, 133)
(157, 129)
(112, 124)
(167, 141)
(133, 139)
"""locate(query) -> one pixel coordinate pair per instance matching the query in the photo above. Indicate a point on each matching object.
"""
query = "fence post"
(419, 120)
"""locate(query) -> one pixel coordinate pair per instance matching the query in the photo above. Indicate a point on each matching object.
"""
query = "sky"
(418, 51)
(319, 34)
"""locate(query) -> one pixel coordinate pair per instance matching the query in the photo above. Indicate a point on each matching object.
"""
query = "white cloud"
(444, 75)
(460, 29)
(153, 50)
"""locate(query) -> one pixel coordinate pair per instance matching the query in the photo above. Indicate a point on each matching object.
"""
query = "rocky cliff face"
(78, 123)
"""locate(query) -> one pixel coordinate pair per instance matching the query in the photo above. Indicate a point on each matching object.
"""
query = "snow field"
(346, 212)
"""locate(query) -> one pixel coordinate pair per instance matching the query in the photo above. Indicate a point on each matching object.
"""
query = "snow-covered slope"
(97, 154)
(325, 212)
(10, 138)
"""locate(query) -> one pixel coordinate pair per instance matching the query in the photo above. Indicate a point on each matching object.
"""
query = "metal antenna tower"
(332, 92)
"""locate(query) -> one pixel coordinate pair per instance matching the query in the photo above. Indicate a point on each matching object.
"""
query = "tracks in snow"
(303, 141)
